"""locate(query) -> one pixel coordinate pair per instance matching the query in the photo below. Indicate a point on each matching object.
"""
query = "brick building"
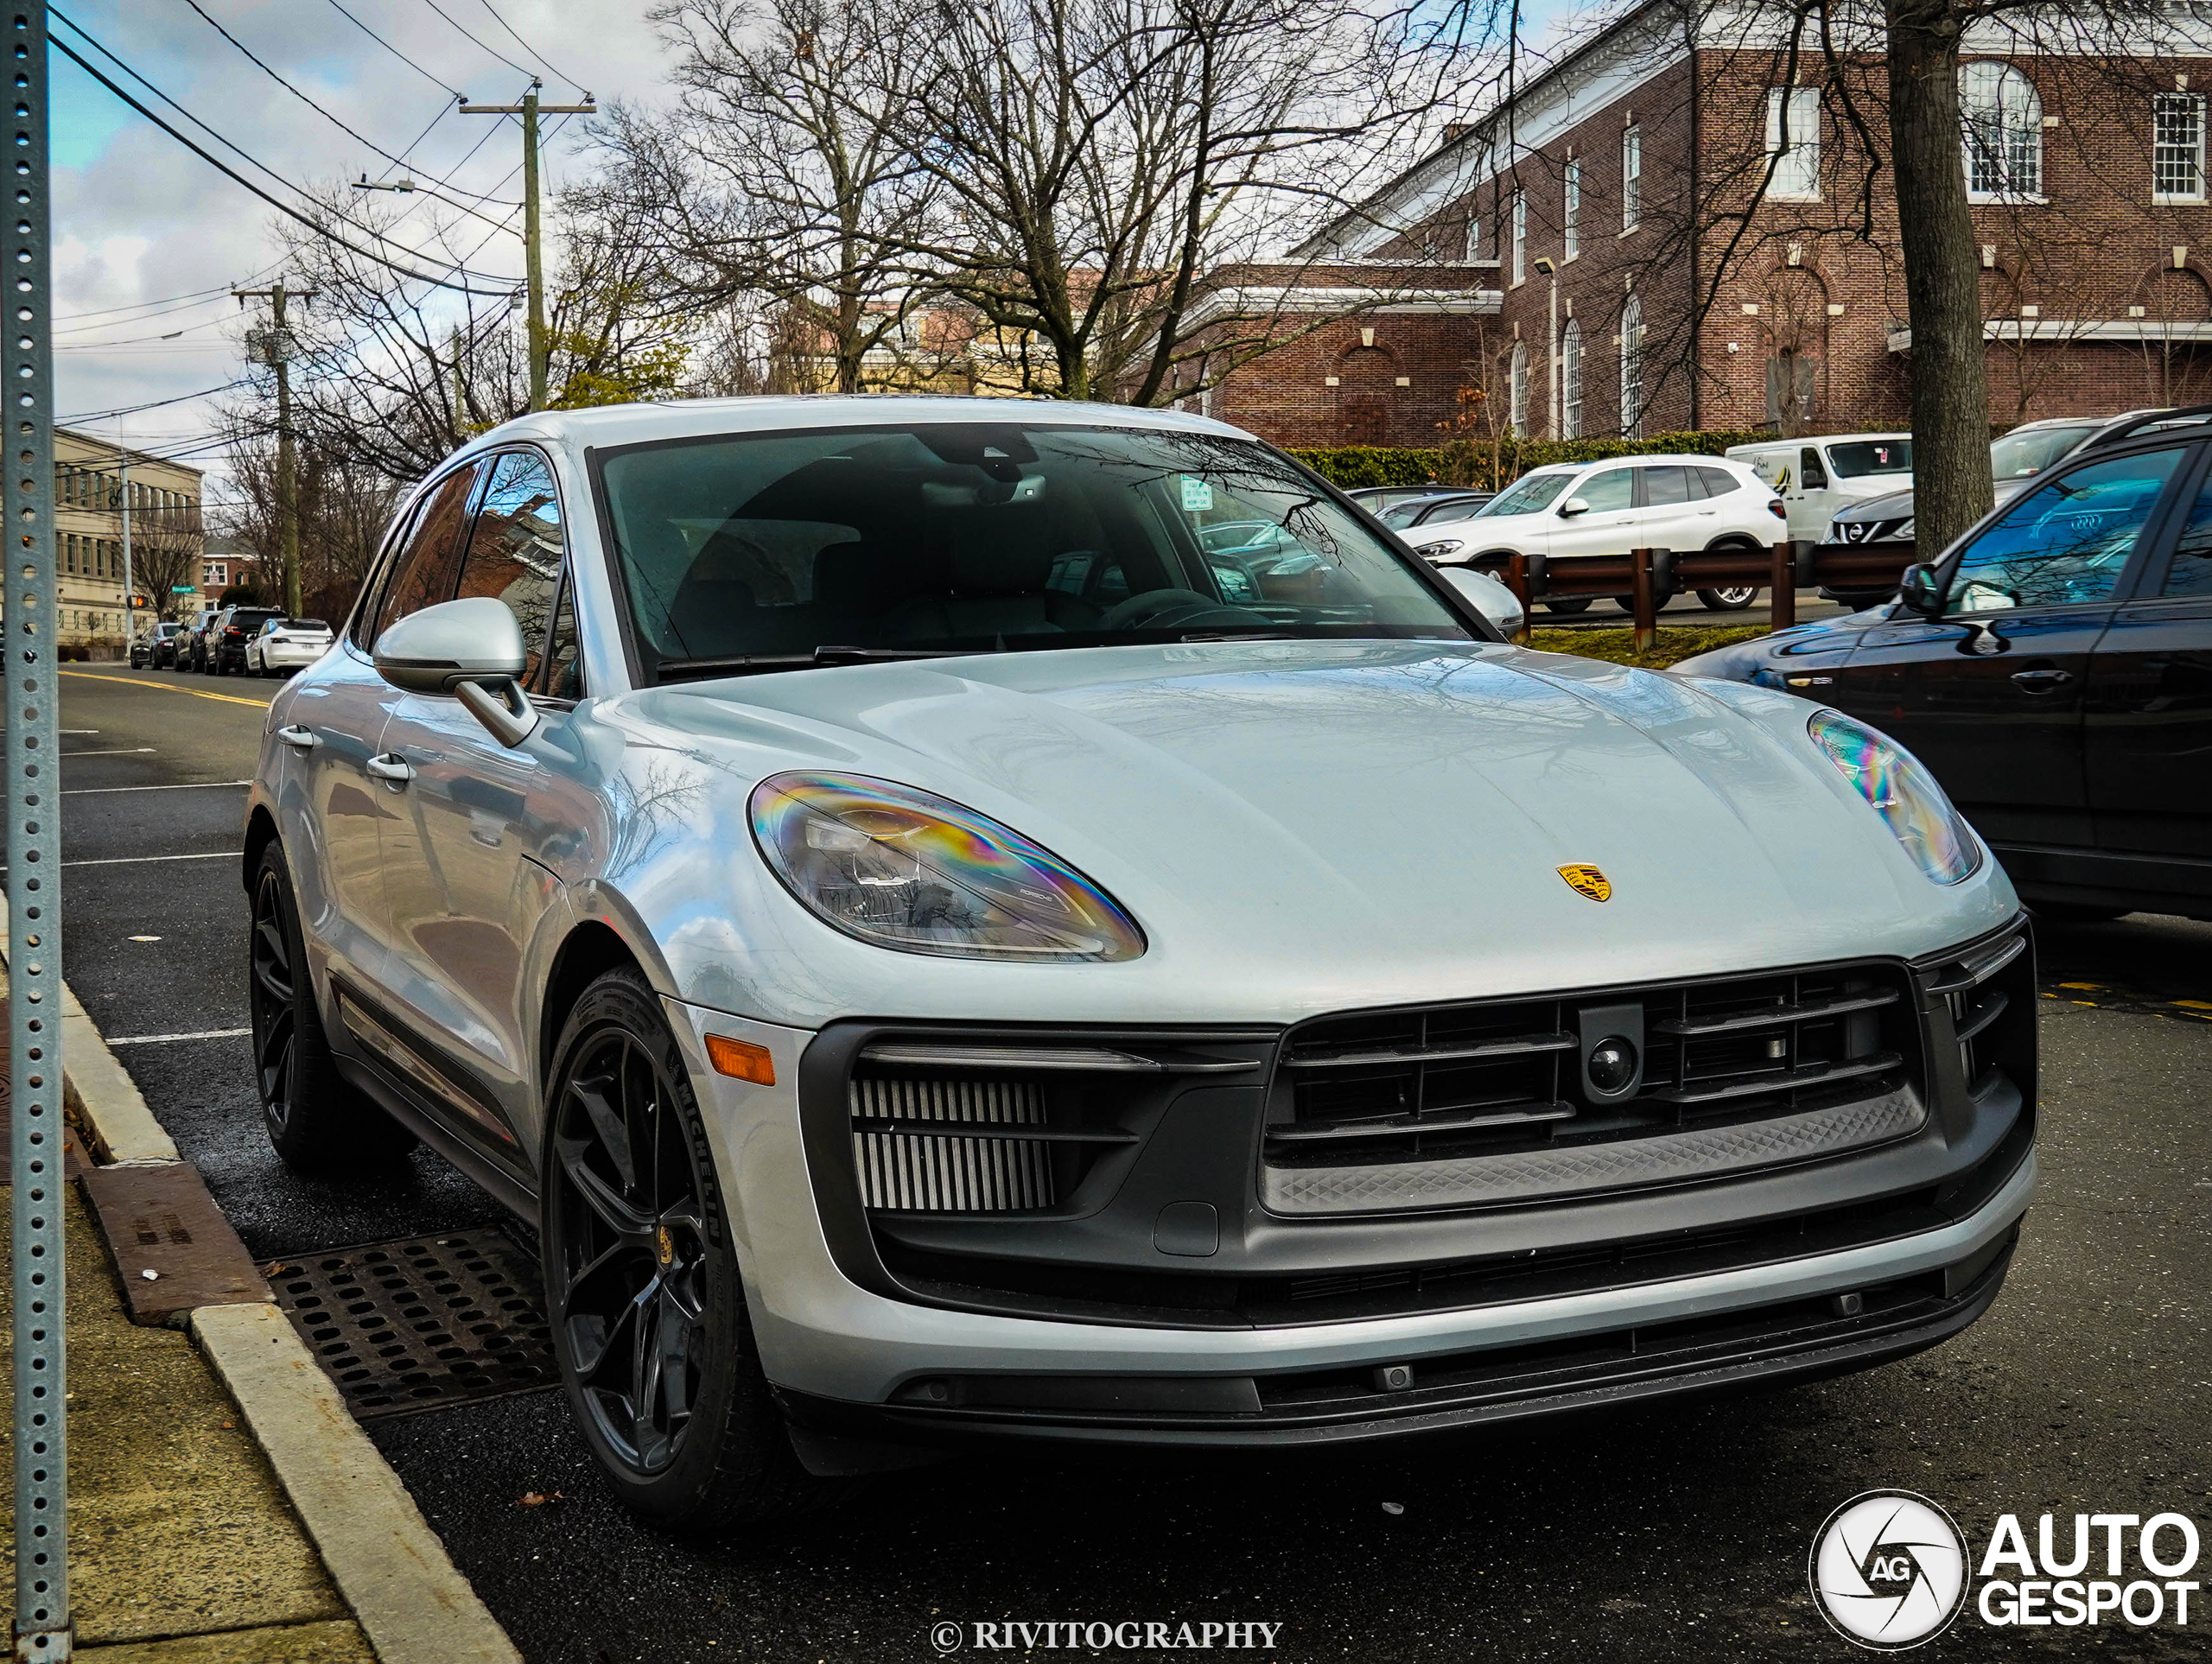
(1675, 224)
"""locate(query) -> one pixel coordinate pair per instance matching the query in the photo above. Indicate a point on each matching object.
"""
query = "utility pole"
(533, 260)
(130, 619)
(272, 344)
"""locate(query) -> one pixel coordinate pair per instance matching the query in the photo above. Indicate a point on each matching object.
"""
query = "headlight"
(905, 869)
(1902, 792)
(1439, 549)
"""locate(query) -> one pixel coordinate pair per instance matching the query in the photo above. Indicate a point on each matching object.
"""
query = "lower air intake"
(942, 1171)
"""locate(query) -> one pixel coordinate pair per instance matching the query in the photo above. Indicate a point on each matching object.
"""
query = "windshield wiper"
(742, 663)
(1254, 634)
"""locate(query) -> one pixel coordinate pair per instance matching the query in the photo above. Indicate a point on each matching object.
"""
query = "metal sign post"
(33, 812)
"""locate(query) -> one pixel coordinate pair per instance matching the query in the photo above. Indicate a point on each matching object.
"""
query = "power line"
(303, 97)
(495, 52)
(154, 404)
(392, 49)
(533, 50)
(285, 208)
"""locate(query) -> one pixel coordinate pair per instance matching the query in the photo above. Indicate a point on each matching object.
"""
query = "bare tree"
(782, 174)
(345, 503)
(166, 545)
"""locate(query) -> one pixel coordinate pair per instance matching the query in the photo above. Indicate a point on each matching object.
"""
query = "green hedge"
(1495, 462)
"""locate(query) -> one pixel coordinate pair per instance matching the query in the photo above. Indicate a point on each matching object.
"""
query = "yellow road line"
(228, 699)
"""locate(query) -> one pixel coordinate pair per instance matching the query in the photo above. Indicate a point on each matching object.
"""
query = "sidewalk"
(224, 1506)
(182, 1549)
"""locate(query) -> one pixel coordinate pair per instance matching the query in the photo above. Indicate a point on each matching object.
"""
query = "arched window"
(1632, 368)
(2002, 118)
(1516, 385)
(1570, 381)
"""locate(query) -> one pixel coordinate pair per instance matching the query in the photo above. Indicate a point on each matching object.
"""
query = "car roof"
(607, 426)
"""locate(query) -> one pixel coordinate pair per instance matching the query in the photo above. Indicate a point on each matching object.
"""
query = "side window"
(564, 677)
(2190, 571)
(424, 571)
(1608, 489)
(1812, 472)
(1718, 482)
(1669, 487)
(2066, 540)
(514, 551)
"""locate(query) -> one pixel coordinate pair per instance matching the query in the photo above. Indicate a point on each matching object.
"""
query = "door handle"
(2047, 681)
(299, 738)
(391, 766)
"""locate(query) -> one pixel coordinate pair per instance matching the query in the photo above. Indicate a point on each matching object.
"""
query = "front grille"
(910, 1158)
(1506, 1077)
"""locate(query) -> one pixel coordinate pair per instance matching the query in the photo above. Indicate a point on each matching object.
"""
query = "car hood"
(1298, 827)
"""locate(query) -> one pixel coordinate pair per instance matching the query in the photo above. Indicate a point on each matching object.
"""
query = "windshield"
(1865, 456)
(1526, 495)
(303, 624)
(2019, 455)
(767, 550)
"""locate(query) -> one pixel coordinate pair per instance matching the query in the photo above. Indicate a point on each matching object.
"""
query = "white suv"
(1681, 503)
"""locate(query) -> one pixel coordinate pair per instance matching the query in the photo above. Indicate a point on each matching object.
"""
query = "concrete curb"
(391, 1568)
(388, 1564)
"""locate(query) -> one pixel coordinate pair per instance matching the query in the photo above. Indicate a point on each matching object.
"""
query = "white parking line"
(128, 861)
(158, 1039)
(119, 751)
(189, 785)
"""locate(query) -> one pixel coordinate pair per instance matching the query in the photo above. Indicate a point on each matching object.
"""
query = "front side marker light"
(742, 1060)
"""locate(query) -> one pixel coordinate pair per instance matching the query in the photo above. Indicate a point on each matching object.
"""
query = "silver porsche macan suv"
(947, 931)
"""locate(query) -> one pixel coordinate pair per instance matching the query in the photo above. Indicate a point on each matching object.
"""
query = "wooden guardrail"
(1645, 575)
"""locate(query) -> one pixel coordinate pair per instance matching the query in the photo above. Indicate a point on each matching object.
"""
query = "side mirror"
(1490, 598)
(473, 649)
(1921, 592)
(1573, 505)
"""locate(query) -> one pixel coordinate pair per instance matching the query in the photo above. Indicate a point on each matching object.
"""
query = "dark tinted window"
(1718, 482)
(991, 538)
(1665, 485)
(1810, 474)
(2190, 572)
(514, 550)
(2065, 541)
(428, 566)
(1863, 456)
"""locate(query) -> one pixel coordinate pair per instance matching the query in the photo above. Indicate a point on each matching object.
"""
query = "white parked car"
(1817, 477)
(283, 645)
(946, 931)
(1581, 508)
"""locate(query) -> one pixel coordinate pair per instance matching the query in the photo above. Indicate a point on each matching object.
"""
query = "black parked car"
(224, 645)
(2027, 452)
(2054, 670)
(1441, 505)
(146, 645)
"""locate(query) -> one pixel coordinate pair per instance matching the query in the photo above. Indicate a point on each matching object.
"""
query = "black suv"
(2054, 668)
(227, 634)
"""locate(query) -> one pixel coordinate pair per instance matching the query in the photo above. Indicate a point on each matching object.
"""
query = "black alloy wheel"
(1568, 605)
(641, 1280)
(316, 1120)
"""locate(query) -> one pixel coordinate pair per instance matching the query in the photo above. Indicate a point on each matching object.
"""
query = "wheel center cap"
(665, 1246)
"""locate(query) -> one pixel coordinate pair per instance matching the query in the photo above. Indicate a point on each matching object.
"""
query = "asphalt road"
(1685, 609)
(1675, 1532)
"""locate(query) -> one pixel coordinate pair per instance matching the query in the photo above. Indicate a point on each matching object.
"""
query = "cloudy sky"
(150, 238)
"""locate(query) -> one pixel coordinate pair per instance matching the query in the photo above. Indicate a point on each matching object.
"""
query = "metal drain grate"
(420, 1324)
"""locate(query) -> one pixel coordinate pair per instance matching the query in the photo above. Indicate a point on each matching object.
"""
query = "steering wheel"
(1164, 609)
